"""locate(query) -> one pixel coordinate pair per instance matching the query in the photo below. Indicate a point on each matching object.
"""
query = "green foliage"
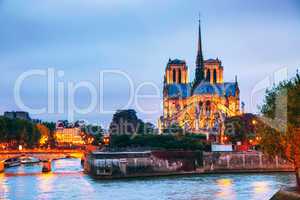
(240, 128)
(272, 141)
(283, 99)
(282, 109)
(96, 131)
(50, 126)
(173, 129)
(126, 122)
(21, 131)
(190, 141)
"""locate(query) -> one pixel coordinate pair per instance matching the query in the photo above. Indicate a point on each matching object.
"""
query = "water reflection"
(45, 185)
(67, 181)
(3, 187)
(260, 187)
(226, 190)
(67, 165)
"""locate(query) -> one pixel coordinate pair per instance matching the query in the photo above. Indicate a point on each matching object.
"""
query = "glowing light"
(226, 190)
(260, 186)
(224, 182)
(43, 140)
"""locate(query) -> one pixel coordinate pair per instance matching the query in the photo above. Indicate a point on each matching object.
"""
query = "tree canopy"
(240, 128)
(19, 132)
(175, 141)
(126, 122)
(281, 117)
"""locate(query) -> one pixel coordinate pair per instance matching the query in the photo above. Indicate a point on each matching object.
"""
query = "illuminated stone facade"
(200, 105)
(69, 136)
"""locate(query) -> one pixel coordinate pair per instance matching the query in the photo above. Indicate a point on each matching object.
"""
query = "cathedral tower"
(176, 72)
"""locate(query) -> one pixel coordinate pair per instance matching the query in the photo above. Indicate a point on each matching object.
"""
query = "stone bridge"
(42, 154)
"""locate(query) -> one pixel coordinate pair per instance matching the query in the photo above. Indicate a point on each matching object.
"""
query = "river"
(68, 182)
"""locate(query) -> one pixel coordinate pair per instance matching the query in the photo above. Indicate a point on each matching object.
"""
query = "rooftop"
(176, 62)
(211, 60)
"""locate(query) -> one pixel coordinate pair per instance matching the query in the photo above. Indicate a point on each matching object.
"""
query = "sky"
(129, 42)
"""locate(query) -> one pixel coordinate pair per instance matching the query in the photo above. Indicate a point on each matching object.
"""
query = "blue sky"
(254, 39)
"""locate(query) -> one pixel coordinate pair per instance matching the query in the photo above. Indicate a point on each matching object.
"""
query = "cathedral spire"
(199, 59)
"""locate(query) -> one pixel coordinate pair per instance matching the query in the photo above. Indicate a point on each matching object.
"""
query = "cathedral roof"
(176, 90)
(226, 89)
(223, 89)
(211, 60)
(176, 62)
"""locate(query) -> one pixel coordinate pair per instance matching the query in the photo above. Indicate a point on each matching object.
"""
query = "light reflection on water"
(226, 190)
(67, 181)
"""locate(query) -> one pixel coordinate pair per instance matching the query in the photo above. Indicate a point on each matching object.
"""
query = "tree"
(240, 128)
(149, 128)
(150, 141)
(174, 129)
(125, 122)
(96, 131)
(45, 134)
(18, 132)
(51, 127)
(281, 128)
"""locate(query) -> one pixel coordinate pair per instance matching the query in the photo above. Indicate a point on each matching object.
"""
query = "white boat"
(29, 160)
(12, 162)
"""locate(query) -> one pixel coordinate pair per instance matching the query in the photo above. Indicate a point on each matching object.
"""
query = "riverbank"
(118, 165)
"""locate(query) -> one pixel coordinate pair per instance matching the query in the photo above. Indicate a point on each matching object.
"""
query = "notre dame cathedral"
(199, 106)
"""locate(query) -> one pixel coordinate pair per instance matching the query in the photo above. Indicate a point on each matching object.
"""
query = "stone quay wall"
(127, 164)
(243, 161)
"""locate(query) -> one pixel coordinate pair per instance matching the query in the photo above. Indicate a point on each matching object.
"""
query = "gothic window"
(179, 76)
(207, 107)
(200, 106)
(187, 117)
(215, 75)
(208, 75)
(174, 76)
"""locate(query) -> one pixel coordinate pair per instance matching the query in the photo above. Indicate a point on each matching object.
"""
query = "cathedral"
(201, 105)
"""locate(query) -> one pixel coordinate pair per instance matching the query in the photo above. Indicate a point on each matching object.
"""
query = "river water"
(68, 182)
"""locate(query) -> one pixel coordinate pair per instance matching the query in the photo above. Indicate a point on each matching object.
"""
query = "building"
(72, 134)
(17, 115)
(60, 124)
(201, 105)
(69, 137)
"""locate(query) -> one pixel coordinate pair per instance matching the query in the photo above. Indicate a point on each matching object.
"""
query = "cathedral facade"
(201, 105)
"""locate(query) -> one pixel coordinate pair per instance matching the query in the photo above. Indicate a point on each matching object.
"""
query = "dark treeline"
(151, 141)
(18, 132)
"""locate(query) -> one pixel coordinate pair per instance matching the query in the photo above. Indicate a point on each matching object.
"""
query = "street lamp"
(106, 140)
